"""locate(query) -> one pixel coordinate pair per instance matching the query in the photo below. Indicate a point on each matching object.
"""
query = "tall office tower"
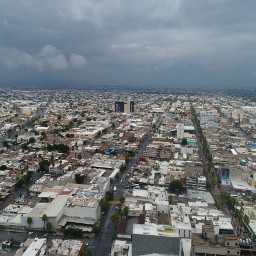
(132, 104)
(124, 107)
(119, 106)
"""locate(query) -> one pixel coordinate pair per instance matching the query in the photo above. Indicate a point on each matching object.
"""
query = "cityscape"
(127, 172)
(127, 128)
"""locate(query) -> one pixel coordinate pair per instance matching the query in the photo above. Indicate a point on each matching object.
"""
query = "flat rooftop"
(155, 230)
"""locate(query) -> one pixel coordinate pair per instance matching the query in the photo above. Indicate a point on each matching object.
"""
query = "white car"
(30, 233)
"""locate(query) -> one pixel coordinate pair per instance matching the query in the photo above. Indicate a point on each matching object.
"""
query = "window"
(227, 243)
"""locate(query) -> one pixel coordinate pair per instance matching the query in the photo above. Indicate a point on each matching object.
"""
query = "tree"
(27, 191)
(122, 199)
(3, 167)
(115, 216)
(19, 183)
(109, 195)
(117, 176)
(175, 184)
(5, 144)
(126, 211)
(24, 146)
(184, 141)
(44, 219)
(170, 197)
(96, 229)
(246, 219)
(103, 204)
(52, 159)
(31, 140)
(79, 178)
(208, 185)
(29, 221)
(44, 165)
(71, 233)
(85, 251)
(48, 225)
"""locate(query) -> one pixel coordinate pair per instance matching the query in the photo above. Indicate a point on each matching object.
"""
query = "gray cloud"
(77, 61)
(136, 42)
(49, 57)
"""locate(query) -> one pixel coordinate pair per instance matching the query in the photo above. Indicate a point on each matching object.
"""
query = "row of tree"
(61, 148)
(206, 151)
(44, 219)
(25, 179)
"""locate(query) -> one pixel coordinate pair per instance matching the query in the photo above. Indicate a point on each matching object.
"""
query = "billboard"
(225, 174)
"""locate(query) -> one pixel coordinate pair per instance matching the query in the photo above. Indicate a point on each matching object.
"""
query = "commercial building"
(215, 239)
(124, 106)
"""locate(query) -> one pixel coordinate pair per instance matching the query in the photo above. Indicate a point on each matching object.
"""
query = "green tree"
(48, 225)
(208, 185)
(115, 216)
(85, 251)
(29, 221)
(31, 140)
(184, 141)
(246, 219)
(126, 210)
(79, 178)
(5, 144)
(109, 196)
(3, 167)
(24, 146)
(44, 219)
(122, 199)
(96, 229)
(72, 233)
(103, 204)
(27, 192)
(20, 182)
(175, 184)
(44, 165)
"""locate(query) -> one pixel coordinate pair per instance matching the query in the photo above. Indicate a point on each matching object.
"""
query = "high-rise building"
(124, 107)
(119, 106)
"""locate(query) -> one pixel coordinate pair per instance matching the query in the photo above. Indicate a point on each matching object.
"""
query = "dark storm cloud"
(142, 42)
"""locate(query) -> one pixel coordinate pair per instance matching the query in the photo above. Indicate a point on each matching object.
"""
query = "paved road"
(16, 194)
(21, 236)
(101, 246)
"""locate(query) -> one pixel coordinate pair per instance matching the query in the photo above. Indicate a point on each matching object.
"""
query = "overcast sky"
(171, 43)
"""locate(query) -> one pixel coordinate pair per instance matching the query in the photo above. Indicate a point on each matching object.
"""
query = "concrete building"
(154, 239)
(73, 204)
(214, 241)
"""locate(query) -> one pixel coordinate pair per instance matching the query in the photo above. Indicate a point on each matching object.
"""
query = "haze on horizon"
(140, 43)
